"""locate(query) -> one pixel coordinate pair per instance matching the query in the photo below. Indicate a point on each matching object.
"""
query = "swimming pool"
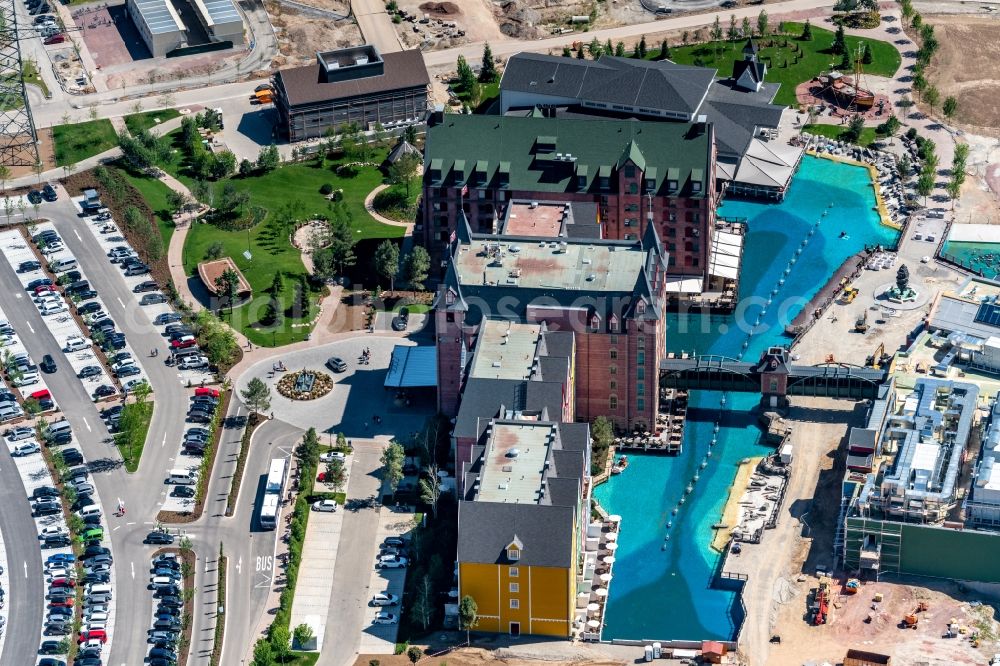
(980, 257)
(662, 589)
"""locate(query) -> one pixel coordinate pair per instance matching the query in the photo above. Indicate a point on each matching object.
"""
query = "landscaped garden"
(790, 59)
(843, 133)
(146, 120)
(78, 141)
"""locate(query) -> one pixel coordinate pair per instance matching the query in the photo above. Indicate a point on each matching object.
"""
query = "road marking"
(133, 569)
(25, 569)
(29, 325)
(115, 528)
(78, 235)
(239, 564)
(132, 523)
(88, 425)
(164, 442)
(206, 566)
(121, 301)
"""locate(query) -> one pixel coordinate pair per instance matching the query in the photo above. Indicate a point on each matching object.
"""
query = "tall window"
(513, 572)
(514, 588)
(614, 354)
(513, 554)
(613, 369)
(640, 342)
(640, 357)
(613, 402)
(640, 388)
(640, 404)
(515, 603)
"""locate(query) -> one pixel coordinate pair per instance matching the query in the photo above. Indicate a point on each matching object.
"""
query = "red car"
(66, 603)
(43, 394)
(55, 39)
(204, 390)
(44, 287)
(185, 342)
(96, 634)
(62, 582)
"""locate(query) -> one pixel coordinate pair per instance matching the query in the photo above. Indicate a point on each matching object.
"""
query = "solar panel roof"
(989, 313)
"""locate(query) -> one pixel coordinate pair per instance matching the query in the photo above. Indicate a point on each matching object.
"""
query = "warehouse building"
(220, 19)
(159, 25)
(356, 85)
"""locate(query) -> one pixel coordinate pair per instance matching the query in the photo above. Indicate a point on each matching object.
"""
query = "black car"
(127, 371)
(103, 391)
(49, 193)
(88, 308)
(48, 364)
(49, 647)
(57, 628)
(93, 551)
(114, 341)
(199, 417)
(172, 602)
(89, 371)
(28, 266)
(46, 404)
(162, 653)
(70, 277)
(72, 457)
(147, 285)
(47, 508)
(182, 491)
(38, 282)
(86, 295)
(166, 591)
(44, 491)
(48, 661)
(166, 318)
(400, 321)
(59, 438)
(34, 196)
(159, 661)
(159, 538)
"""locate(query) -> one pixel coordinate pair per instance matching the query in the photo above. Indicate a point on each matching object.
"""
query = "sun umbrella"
(611, 536)
(601, 592)
(605, 577)
(608, 559)
(593, 623)
(611, 546)
(593, 607)
(615, 518)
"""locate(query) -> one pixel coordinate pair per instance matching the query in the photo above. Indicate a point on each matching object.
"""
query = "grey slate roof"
(737, 114)
(483, 397)
(305, 85)
(487, 528)
(610, 80)
(756, 70)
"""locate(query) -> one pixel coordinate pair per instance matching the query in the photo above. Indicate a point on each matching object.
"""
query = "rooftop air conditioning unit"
(534, 205)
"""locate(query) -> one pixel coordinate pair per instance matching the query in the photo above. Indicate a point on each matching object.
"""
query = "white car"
(193, 363)
(330, 456)
(325, 505)
(75, 343)
(132, 383)
(25, 449)
(52, 308)
(385, 599)
(390, 562)
(121, 365)
(60, 573)
(19, 433)
(382, 617)
(53, 530)
(27, 379)
(47, 296)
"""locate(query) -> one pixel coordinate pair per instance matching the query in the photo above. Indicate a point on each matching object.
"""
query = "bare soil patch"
(439, 25)
(965, 67)
(300, 35)
(440, 9)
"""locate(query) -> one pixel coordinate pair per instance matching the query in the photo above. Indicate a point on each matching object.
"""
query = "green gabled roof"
(586, 145)
(634, 155)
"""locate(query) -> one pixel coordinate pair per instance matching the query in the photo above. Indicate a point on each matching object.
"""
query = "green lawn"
(868, 134)
(488, 93)
(302, 659)
(149, 119)
(782, 68)
(268, 241)
(30, 72)
(132, 437)
(78, 141)
(155, 194)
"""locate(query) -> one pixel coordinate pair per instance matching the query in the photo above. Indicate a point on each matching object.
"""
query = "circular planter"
(322, 384)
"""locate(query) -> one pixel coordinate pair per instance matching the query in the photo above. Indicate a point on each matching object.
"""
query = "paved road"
(375, 24)
(24, 568)
(353, 569)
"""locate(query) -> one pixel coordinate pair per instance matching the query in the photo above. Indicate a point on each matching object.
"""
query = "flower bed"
(321, 385)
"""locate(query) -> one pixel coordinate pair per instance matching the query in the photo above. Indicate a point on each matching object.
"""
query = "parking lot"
(381, 638)
(21, 368)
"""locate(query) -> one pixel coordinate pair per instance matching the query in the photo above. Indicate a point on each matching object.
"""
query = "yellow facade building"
(520, 524)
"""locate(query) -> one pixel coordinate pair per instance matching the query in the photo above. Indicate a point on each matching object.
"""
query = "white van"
(62, 265)
(88, 511)
(98, 588)
(60, 427)
(182, 477)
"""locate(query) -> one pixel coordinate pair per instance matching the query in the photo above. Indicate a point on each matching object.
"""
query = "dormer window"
(613, 323)
(696, 187)
(449, 297)
(513, 554)
(595, 322)
(640, 307)
(672, 185)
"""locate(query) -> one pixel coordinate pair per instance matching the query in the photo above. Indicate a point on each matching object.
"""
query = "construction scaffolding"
(872, 547)
(18, 141)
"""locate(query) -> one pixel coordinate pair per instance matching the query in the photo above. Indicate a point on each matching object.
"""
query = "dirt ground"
(439, 24)
(300, 36)
(480, 657)
(342, 7)
(965, 67)
(849, 629)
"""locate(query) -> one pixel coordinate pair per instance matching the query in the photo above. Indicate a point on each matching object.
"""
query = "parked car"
(34, 196)
(159, 538)
(336, 364)
(25, 449)
(327, 505)
(28, 266)
(89, 371)
(166, 317)
(18, 433)
(75, 343)
(152, 299)
(382, 617)
(385, 599)
(391, 562)
(48, 191)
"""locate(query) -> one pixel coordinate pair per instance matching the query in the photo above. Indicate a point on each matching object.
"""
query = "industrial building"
(356, 85)
(158, 24)
(983, 505)
(738, 106)
(220, 19)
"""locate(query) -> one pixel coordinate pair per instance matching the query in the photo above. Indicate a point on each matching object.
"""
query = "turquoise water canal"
(662, 588)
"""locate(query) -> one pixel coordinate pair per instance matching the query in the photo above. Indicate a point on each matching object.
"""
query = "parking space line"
(89, 429)
(27, 323)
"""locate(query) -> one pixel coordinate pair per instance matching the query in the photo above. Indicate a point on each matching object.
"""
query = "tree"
(423, 604)
(609, 48)
(263, 655)
(594, 48)
(866, 54)
(336, 474)
(916, 21)
(903, 168)
(141, 392)
(430, 489)
(387, 262)
(580, 53)
(890, 127)
(303, 635)
(224, 165)
(277, 285)
(466, 77)
(925, 185)
(954, 189)
(620, 50)
(308, 450)
(664, 49)
(732, 32)
(246, 168)
(488, 73)
(227, 286)
(4, 176)
(214, 251)
(715, 32)
(300, 298)
(281, 641)
(404, 171)
(807, 33)
(932, 96)
(762, 24)
(745, 28)
(268, 159)
(417, 266)
(839, 44)
(602, 434)
(468, 615)
(257, 396)
(339, 254)
(855, 127)
(950, 106)
(414, 653)
(392, 461)
(642, 47)
(177, 201)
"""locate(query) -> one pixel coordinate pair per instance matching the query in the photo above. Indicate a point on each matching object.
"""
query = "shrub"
(911, 133)
(326, 189)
